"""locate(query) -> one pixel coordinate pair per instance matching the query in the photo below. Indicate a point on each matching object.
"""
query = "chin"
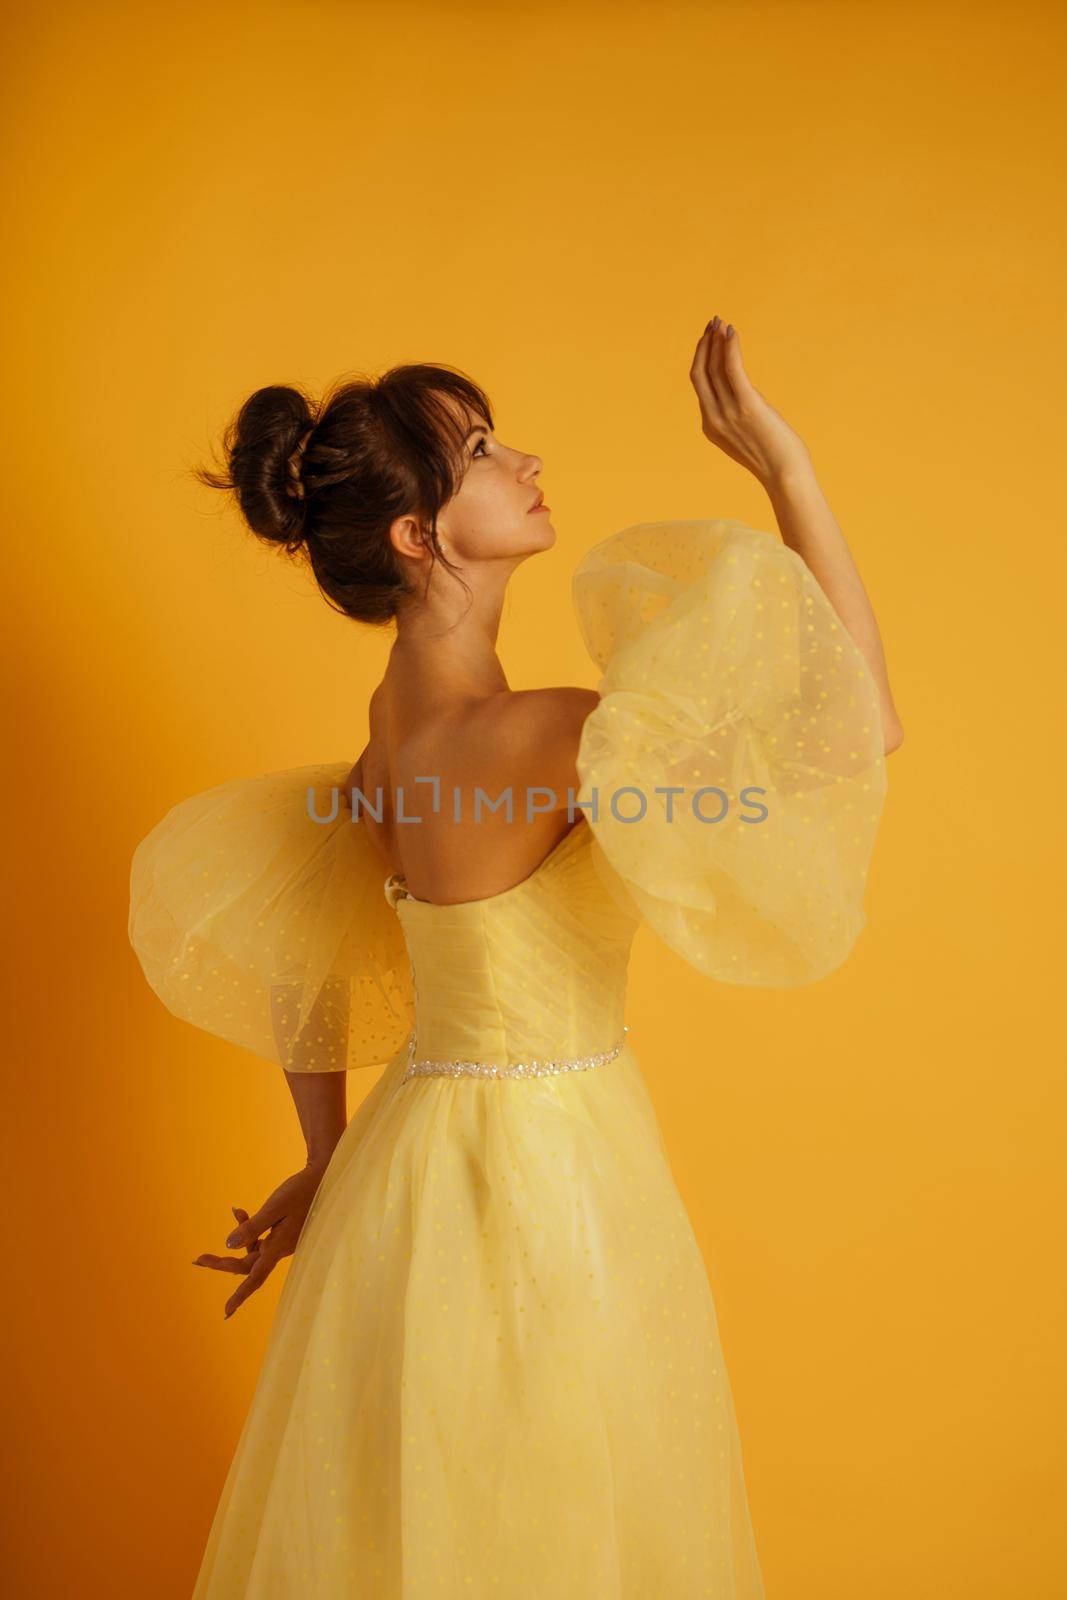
(547, 534)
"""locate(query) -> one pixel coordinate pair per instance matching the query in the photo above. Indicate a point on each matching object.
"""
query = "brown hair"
(373, 450)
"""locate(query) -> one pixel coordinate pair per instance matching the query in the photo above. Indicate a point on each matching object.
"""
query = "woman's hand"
(734, 414)
(283, 1213)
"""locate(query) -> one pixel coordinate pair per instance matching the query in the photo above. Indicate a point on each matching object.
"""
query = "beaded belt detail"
(517, 1069)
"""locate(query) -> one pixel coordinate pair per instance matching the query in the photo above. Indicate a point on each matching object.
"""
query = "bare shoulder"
(534, 734)
(547, 713)
(522, 738)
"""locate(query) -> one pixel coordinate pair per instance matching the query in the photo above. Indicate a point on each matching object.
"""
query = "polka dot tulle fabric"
(739, 731)
(495, 1366)
(257, 912)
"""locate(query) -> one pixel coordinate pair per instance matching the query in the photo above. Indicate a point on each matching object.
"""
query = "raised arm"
(809, 527)
(741, 422)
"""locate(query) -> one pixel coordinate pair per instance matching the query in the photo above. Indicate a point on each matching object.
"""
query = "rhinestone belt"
(518, 1069)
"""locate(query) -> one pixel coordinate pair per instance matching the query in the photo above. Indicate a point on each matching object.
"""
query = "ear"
(406, 539)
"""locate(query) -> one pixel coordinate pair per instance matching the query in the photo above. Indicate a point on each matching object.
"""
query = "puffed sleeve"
(728, 678)
(258, 912)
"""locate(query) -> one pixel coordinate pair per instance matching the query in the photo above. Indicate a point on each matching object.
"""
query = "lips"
(538, 502)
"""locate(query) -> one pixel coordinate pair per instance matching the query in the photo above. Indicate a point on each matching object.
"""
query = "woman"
(495, 1365)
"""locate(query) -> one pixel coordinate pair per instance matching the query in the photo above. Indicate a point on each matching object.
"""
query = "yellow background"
(203, 199)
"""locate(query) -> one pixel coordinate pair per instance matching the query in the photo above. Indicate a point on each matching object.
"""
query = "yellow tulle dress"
(495, 1367)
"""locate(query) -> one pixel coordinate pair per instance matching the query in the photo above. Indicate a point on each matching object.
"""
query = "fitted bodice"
(538, 971)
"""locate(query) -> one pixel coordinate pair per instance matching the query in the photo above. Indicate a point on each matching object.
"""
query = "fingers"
(247, 1233)
(711, 374)
(733, 366)
(700, 354)
(227, 1263)
(261, 1268)
(235, 1242)
(698, 372)
(720, 382)
(237, 1239)
(279, 1219)
(253, 1268)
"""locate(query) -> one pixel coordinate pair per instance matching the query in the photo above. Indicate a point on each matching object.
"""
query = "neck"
(450, 634)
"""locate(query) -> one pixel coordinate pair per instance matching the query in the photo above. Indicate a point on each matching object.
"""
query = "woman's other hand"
(281, 1218)
(735, 416)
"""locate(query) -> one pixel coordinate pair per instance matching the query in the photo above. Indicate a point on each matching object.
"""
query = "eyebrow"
(481, 428)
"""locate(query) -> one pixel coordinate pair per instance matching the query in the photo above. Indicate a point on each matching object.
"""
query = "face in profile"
(495, 512)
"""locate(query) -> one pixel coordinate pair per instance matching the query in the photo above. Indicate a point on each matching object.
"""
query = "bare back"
(512, 739)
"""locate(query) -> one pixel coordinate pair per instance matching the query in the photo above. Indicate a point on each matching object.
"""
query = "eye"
(478, 446)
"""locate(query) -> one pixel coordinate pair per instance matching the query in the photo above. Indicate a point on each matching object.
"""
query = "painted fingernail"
(231, 1242)
(729, 330)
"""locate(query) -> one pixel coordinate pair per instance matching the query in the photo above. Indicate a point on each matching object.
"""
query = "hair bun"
(379, 447)
(295, 467)
(265, 447)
